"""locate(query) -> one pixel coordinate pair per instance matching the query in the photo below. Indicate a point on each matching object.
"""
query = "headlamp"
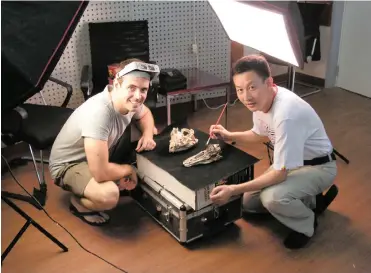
(152, 69)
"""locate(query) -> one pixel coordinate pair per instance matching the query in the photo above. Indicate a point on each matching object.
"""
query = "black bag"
(171, 80)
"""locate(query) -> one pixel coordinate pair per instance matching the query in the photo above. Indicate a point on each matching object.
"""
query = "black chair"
(113, 42)
(38, 126)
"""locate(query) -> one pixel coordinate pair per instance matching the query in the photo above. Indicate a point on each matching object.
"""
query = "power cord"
(58, 224)
(217, 107)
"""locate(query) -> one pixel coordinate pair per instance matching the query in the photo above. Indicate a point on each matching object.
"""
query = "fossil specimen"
(182, 140)
(210, 154)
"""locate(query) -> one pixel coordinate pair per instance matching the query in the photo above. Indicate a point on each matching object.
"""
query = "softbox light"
(34, 36)
(274, 28)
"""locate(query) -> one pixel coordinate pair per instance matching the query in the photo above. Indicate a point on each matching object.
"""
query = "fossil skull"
(182, 140)
(210, 154)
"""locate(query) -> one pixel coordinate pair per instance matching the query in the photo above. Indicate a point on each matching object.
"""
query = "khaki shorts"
(74, 177)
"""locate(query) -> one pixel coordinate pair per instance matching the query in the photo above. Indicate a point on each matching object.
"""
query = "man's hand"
(221, 194)
(98, 161)
(148, 129)
(145, 143)
(128, 182)
(218, 131)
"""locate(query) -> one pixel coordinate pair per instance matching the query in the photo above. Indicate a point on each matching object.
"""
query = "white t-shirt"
(95, 118)
(295, 130)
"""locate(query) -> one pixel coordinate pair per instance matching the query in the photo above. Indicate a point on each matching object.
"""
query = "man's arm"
(101, 169)
(95, 131)
(247, 137)
(253, 135)
(288, 154)
(269, 178)
(250, 136)
(146, 122)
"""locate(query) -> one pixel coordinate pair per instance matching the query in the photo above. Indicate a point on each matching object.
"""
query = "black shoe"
(296, 240)
(323, 201)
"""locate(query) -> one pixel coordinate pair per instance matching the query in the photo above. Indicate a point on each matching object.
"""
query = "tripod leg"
(29, 221)
(341, 156)
(15, 240)
(20, 197)
(51, 237)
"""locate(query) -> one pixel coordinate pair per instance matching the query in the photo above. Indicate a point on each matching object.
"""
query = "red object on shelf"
(112, 70)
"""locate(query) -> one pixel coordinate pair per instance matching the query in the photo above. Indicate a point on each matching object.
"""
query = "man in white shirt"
(304, 164)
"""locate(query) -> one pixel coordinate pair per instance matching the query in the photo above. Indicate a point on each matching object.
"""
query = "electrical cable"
(217, 107)
(57, 223)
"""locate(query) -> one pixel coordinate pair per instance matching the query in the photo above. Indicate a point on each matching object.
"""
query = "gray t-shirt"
(95, 118)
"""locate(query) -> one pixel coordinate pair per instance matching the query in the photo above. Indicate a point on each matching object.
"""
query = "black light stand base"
(39, 194)
(29, 222)
(21, 198)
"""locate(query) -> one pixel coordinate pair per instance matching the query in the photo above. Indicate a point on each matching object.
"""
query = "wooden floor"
(137, 244)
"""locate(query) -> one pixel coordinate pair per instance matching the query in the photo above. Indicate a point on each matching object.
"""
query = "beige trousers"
(291, 202)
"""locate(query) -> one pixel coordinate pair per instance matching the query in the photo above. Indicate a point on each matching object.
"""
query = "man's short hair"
(254, 62)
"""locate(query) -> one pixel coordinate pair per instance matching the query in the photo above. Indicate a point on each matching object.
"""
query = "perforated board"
(173, 27)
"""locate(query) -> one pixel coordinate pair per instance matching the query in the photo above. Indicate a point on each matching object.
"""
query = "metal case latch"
(167, 214)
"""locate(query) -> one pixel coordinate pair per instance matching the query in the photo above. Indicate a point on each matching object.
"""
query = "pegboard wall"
(173, 27)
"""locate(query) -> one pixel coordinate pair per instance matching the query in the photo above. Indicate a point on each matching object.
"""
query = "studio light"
(273, 28)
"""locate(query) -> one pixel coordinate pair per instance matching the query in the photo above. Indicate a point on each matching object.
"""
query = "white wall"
(354, 57)
(315, 68)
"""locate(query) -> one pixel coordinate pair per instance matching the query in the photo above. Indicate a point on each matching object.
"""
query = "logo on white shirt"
(267, 130)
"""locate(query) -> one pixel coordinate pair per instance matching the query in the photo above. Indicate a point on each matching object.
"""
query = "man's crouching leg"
(90, 198)
(97, 197)
(291, 202)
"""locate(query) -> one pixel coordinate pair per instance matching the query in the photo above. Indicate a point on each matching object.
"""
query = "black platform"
(234, 160)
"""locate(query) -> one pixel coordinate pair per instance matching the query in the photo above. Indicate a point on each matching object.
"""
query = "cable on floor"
(58, 224)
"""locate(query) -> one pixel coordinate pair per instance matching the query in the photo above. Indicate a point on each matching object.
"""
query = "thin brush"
(217, 122)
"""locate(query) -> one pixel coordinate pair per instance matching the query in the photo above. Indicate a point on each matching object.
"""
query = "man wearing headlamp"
(79, 160)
